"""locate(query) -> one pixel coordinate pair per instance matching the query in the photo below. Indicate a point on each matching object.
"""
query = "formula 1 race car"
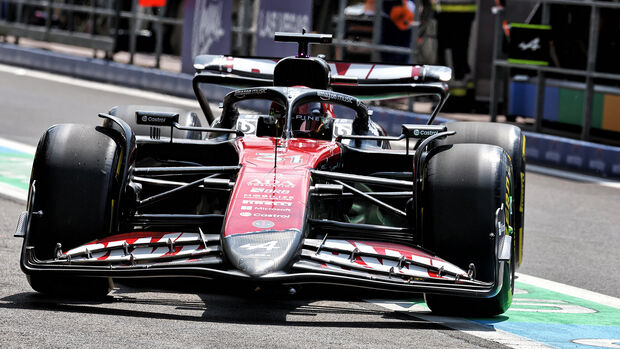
(293, 183)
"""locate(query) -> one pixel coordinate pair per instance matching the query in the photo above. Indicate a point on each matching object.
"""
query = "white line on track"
(191, 103)
(570, 290)
(20, 147)
(12, 192)
(573, 176)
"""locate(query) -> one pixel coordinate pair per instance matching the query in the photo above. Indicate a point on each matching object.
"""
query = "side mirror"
(270, 126)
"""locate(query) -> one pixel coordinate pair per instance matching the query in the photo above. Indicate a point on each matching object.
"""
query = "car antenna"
(302, 49)
(303, 40)
(275, 156)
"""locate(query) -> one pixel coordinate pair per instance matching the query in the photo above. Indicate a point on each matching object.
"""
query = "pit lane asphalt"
(570, 237)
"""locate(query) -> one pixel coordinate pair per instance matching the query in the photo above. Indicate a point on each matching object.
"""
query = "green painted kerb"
(532, 304)
(15, 168)
(538, 305)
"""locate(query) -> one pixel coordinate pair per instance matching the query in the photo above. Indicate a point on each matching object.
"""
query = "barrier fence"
(589, 74)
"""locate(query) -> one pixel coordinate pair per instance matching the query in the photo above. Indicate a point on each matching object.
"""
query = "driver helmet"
(312, 118)
(277, 116)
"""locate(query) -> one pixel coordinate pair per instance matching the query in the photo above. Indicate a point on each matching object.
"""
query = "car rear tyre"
(463, 186)
(76, 173)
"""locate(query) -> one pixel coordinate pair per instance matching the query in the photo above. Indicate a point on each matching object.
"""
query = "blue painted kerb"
(598, 159)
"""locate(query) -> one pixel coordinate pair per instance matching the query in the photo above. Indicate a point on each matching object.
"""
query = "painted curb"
(548, 150)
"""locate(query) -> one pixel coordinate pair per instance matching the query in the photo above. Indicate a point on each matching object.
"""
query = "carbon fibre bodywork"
(287, 207)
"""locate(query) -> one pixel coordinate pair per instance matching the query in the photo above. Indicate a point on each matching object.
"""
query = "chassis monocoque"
(256, 197)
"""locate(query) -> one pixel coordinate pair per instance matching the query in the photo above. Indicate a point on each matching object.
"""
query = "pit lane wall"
(548, 150)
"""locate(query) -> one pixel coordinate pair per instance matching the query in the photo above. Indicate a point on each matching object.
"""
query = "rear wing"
(365, 81)
(341, 72)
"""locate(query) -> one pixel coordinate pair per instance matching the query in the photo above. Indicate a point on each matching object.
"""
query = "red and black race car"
(291, 184)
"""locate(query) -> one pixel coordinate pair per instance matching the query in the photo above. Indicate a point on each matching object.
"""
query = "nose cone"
(263, 252)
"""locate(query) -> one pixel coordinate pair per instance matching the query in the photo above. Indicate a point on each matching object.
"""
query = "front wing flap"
(397, 263)
(357, 263)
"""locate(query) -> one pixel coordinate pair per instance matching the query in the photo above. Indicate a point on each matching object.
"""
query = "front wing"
(390, 267)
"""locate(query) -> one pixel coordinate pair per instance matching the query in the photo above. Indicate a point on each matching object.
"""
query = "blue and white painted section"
(543, 314)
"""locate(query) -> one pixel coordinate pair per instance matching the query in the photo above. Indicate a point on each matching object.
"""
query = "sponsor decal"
(342, 129)
(270, 245)
(308, 117)
(156, 119)
(272, 215)
(271, 183)
(424, 133)
(295, 159)
(326, 96)
(263, 224)
(267, 196)
(246, 126)
(270, 191)
(245, 214)
(277, 209)
(267, 202)
(153, 119)
(522, 199)
(246, 208)
(250, 91)
(270, 157)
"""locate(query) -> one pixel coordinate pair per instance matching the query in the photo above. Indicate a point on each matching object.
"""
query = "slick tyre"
(76, 179)
(186, 118)
(511, 139)
(463, 186)
(74, 287)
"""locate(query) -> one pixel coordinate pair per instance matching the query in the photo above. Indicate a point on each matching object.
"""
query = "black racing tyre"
(186, 118)
(76, 172)
(75, 287)
(475, 307)
(463, 186)
(511, 139)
